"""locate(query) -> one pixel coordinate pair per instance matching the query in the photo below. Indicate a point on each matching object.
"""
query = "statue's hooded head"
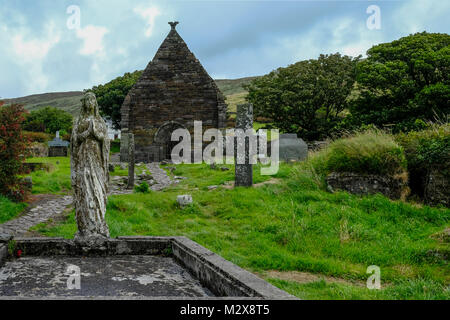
(90, 105)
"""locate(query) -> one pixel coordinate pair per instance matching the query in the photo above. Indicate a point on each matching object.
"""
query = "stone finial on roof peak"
(173, 24)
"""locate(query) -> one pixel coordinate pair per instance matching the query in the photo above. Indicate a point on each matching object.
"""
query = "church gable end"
(174, 88)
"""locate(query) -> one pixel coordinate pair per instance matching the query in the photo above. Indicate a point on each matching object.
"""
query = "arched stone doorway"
(163, 138)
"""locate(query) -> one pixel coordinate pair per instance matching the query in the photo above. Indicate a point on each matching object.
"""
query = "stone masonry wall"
(174, 90)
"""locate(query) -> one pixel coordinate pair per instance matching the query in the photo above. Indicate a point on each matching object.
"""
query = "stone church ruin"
(173, 92)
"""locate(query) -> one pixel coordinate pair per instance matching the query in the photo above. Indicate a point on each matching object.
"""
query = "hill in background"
(71, 101)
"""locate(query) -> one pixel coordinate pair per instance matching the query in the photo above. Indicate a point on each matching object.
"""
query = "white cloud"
(92, 37)
(31, 53)
(36, 48)
(417, 15)
(148, 14)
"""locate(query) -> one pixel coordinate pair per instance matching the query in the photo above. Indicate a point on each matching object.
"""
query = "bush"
(37, 136)
(48, 120)
(426, 149)
(13, 146)
(404, 82)
(370, 152)
(142, 188)
(308, 98)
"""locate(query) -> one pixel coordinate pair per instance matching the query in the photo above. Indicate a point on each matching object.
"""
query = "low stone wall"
(218, 275)
(38, 150)
(394, 188)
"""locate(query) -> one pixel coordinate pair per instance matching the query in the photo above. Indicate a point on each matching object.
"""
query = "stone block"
(184, 200)
(292, 148)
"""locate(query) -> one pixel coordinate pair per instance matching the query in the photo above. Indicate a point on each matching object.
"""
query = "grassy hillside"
(233, 91)
(67, 101)
(70, 101)
(232, 87)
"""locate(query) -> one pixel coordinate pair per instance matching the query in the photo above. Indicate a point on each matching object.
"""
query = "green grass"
(56, 181)
(371, 152)
(9, 210)
(295, 225)
(416, 289)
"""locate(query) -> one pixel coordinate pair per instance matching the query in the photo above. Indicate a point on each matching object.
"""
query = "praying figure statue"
(89, 171)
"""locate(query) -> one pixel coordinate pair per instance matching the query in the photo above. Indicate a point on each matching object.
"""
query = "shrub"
(142, 188)
(370, 152)
(308, 98)
(404, 82)
(48, 120)
(426, 149)
(13, 146)
(37, 136)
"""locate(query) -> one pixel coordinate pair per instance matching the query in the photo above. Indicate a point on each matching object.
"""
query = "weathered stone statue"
(89, 162)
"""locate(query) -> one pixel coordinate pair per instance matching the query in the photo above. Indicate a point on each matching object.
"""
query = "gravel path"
(160, 176)
(43, 211)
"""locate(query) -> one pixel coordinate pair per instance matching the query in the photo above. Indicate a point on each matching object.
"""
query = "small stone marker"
(130, 161)
(57, 147)
(244, 121)
(111, 167)
(184, 200)
(292, 148)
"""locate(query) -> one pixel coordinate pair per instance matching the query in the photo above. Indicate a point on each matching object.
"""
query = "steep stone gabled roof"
(173, 85)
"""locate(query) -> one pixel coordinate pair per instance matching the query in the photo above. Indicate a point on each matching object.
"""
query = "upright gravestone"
(57, 147)
(131, 161)
(243, 167)
(89, 166)
(292, 148)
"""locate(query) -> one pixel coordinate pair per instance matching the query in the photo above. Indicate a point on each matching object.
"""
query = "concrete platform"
(125, 268)
(127, 276)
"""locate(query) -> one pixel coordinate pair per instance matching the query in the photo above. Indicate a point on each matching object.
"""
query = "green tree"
(48, 119)
(404, 81)
(111, 95)
(308, 97)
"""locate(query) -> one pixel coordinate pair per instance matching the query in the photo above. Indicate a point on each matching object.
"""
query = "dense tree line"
(308, 97)
(400, 85)
(48, 120)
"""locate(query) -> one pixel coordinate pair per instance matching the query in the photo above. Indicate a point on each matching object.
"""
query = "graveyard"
(327, 179)
(277, 228)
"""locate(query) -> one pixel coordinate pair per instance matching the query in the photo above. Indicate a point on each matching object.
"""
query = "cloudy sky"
(46, 48)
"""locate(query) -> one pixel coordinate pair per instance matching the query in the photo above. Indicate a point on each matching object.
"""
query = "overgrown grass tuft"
(371, 152)
(9, 209)
(57, 181)
(416, 289)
